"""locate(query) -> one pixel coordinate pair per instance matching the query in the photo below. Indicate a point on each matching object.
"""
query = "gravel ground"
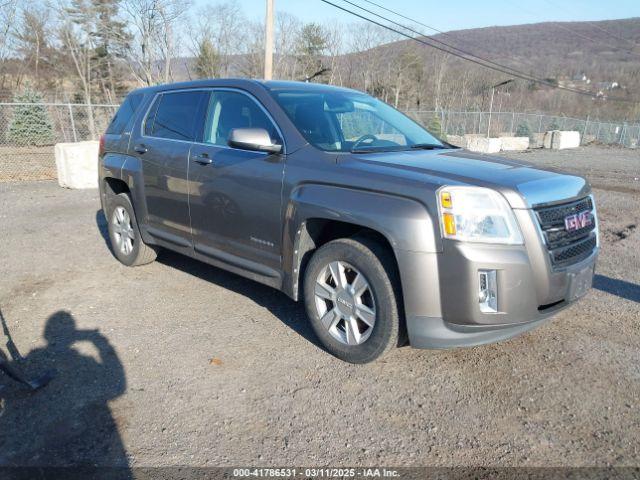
(178, 363)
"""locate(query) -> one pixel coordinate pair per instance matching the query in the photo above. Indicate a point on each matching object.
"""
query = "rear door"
(172, 123)
(235, 195)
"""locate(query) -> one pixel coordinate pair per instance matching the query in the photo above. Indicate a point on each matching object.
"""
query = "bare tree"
(153, 24)
(76, 37)
(8, 9)
(253, 51)
(220, 33)
(287, 31)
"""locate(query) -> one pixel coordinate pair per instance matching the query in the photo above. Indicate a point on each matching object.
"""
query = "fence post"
(624, 129)
(513, 119)
(73, 123)
(539, 123)
(586, 127)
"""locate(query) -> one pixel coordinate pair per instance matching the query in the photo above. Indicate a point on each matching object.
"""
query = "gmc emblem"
(577, 221)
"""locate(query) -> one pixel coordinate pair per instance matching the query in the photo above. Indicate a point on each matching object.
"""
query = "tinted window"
(228, 110)
(151, 116)
(345, 121)
(124, 114)
(177, 116)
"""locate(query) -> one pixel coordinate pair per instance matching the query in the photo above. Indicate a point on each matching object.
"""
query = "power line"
(561, 26)
(446, 34)
(432, 39)
(595, 25)
(593, 40)
(470, 57)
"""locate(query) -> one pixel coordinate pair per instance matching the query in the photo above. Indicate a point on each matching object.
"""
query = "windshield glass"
(340, 121)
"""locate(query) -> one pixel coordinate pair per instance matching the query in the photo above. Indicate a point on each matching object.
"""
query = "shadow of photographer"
(68, 422)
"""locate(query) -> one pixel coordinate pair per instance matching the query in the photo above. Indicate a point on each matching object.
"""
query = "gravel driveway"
(179, 363)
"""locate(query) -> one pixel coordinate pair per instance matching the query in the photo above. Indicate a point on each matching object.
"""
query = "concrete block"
(457, 140)
(77, 164)
(565, 139)
(514, 144)
(484, 145)
(560, 139)
(537, 140)
(548, 138)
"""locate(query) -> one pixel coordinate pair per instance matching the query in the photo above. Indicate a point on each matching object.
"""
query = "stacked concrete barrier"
(77, 164)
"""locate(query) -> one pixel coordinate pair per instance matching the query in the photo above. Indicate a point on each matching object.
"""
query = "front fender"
(405, 223)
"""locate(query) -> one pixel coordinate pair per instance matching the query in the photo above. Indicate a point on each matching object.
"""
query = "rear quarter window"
(124, 114)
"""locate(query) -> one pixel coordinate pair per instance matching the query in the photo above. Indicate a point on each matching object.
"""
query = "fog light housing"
(488, 291)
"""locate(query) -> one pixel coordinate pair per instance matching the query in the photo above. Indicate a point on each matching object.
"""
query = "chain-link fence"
(28, 132)
(527, 124)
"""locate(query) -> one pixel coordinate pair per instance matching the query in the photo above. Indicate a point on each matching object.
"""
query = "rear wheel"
(350, 297)
(126, 241)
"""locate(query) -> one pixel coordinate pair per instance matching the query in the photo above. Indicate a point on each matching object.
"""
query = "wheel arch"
(317, 214)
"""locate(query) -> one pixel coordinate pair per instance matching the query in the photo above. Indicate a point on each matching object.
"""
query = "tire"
(126, 242)
(341, 318)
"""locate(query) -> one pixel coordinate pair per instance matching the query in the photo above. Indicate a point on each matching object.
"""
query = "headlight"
(476, 214)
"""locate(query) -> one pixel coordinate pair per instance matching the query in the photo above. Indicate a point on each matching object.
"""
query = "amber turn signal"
(449, 224)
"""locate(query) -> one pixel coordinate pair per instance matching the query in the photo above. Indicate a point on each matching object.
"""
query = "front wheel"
(350, 288)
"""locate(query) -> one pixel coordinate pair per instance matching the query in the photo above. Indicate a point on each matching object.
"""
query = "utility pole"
(268, 42)
(493, 89)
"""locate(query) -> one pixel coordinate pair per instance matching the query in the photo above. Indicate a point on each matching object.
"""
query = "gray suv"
(386, 233)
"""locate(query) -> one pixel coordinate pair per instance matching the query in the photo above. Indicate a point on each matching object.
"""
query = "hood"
(523, 185)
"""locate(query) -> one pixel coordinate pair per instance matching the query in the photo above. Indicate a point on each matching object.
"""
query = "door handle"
(141, 148)
(202, 159)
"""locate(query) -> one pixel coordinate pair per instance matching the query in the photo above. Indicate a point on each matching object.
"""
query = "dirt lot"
(177, 363)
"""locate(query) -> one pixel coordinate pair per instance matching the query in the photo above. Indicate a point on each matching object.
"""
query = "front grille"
(566, 248)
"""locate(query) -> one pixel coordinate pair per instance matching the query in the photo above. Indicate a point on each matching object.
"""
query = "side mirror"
(256, 139)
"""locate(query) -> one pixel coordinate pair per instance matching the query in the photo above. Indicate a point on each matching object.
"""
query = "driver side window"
(228, 110)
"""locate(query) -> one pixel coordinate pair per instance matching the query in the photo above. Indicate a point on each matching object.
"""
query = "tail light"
(101, 146)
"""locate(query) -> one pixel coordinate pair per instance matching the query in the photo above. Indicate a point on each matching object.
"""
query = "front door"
(235, 195)
(171, 125)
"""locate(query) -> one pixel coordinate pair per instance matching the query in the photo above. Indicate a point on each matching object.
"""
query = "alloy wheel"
(124, 235)
(344, 302)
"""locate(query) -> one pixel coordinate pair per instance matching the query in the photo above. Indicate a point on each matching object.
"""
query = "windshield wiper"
(426, 146)
(376, 149)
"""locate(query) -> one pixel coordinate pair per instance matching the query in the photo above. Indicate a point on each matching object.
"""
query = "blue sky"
(460, 14)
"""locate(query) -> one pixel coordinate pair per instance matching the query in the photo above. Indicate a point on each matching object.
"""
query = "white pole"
(490, 108)
(268, 42)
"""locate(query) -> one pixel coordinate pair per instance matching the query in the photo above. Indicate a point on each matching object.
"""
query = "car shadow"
(619, 288)
(103, 228)
(291, 313)
(67, 422)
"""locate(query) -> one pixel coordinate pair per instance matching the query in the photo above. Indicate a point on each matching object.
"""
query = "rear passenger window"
(124, 114)
(175, 116)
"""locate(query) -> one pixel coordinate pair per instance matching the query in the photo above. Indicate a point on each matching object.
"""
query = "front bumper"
(522, 304)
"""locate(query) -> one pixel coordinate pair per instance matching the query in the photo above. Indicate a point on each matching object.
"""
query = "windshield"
(340, 121)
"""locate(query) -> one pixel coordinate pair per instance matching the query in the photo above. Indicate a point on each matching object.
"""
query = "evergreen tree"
(312, 43)
(523, 130)
(434, 126)
(30, 124)
(207, 60)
